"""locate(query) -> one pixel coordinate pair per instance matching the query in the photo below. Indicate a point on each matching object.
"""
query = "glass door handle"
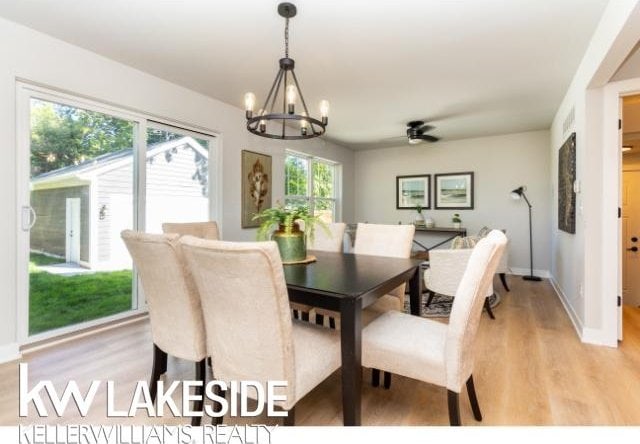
(28, 217)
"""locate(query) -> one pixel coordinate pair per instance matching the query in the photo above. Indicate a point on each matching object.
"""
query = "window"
(312, 181)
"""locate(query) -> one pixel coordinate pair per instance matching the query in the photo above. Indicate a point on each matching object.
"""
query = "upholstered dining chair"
(203, 230)
(445, 272)
(177, 327)
(331, 239)
(385, 240)
(434, 352)
(247, 316)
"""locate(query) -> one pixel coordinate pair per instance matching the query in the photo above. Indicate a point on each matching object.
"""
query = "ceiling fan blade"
(428, 138)
(415, 124)
(425, 128)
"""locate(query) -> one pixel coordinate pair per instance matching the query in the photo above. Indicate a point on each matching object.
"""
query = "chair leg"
(201, 375)
(503, 278)
(487, 306)
(158, 368)
(332, 323)
(473, 399)
(453, 399)
(290, 419)
(375, 377)
(387, 380)
(217, 420)
(319, 319)
(431, 294)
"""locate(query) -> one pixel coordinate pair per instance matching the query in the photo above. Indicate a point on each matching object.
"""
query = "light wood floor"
(531, 369)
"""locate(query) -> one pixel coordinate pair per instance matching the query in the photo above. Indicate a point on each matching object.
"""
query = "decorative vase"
(457, 225)
(291, 245)
(419, 220)
(430, 223)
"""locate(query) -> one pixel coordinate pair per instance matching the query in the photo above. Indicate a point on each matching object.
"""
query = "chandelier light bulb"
(291, 98)
(249, 103)
(324, 111)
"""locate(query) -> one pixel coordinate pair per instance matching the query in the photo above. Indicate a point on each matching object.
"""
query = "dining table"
(347, 283)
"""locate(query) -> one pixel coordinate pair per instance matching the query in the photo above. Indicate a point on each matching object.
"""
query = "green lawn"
(57, 301)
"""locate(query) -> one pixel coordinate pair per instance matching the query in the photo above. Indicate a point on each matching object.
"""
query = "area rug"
(440, 306)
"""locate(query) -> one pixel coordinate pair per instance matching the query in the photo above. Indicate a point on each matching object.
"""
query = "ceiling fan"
(416, 130)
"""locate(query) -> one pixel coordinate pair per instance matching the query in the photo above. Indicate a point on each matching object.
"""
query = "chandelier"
(284, 119)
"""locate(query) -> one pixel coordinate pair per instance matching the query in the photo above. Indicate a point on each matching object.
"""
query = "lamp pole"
(517, 193)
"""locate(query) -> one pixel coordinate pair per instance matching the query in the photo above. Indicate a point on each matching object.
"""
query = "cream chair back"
(385, 240)
(246, 309)
(467, 308)
(203, 230)
(177, 326)
(332, 241)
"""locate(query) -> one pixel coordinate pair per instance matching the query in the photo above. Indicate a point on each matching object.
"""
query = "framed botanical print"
(454, 191)
(256, 186)
(413, 191)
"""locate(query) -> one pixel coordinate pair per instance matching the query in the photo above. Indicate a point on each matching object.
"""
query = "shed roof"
(105, 162)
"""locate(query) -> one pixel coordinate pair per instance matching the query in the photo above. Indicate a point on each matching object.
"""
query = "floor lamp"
(517, 194)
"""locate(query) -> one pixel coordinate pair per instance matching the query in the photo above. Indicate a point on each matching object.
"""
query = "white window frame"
(25, 91)
(309, 197)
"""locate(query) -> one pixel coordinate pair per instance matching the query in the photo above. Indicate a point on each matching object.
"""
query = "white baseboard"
(526, 271)
(587, 335)
(575, 320)
(596, 337)
(9, 352)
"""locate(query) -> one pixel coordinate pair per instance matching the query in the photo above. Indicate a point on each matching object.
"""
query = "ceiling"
(469, 67)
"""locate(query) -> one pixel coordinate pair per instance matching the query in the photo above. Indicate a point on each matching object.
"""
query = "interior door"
(631, 237)
(72, 246)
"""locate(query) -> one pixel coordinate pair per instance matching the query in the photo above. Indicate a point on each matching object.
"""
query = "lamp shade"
(517, 193)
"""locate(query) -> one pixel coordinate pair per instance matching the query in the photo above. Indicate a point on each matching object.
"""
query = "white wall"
(36, 57)
(578, 261)
(500, 164)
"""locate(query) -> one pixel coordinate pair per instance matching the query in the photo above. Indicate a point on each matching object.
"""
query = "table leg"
(351, 346)
(415, 293)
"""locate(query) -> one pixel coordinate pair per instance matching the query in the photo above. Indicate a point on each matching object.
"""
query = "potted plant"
(419, 219)
(291, 240)
(457, 222)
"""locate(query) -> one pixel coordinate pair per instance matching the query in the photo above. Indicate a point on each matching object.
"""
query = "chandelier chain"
(286, 38)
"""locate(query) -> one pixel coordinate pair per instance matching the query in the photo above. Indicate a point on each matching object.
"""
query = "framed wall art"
(256, 186)
(454, 191)
(566, 178)
(412, 191)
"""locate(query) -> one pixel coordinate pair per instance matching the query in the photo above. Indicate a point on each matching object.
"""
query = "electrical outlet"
(580, 291)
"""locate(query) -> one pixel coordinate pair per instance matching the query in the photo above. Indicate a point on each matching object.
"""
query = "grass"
(57, 301)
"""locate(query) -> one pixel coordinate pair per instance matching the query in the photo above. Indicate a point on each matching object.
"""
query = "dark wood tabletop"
(347, 283)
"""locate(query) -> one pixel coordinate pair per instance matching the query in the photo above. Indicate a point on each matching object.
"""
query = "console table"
(451, 231)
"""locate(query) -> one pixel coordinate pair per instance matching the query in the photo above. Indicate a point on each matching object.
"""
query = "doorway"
(72, 246)
(630, 214)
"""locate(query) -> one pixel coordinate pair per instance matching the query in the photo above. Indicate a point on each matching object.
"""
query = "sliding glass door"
(86, 173)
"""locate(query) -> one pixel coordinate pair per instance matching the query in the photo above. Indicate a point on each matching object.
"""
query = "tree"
(63, 135)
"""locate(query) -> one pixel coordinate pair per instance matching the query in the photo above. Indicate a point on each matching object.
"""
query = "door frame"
(73, 219)
(25, 90)
(611, 223)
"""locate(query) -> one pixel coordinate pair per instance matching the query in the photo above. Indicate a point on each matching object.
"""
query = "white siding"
(175, 191)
